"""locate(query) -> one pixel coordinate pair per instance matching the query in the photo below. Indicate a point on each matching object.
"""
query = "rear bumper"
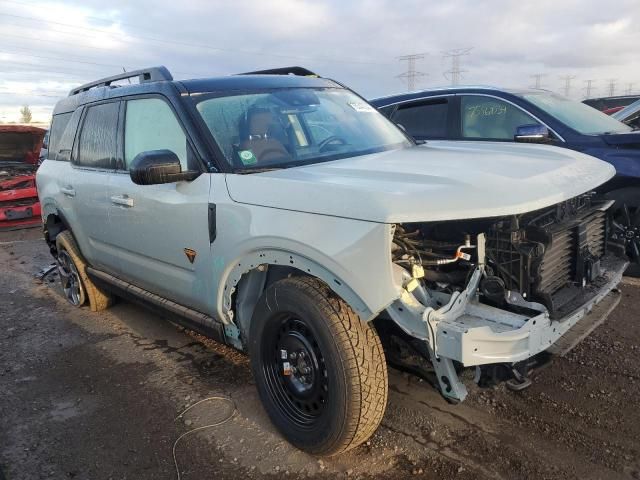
(483, 335)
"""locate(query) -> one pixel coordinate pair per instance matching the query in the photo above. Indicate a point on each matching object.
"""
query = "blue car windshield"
(296, 126)
(576, 115)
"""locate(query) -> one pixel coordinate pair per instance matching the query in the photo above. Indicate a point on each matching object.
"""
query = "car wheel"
(320, 371)
(626, 225)
(76, 285)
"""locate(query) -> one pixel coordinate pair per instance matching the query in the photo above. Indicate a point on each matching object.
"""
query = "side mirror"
(158, 166)
(532, 134)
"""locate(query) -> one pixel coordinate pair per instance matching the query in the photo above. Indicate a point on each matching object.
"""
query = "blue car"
(489, 114)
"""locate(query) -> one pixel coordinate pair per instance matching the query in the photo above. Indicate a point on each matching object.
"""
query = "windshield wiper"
(255, 170)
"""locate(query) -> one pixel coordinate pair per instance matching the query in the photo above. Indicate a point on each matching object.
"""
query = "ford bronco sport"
(286, 217)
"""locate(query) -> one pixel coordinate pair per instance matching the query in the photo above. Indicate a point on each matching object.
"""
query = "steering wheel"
(329, 140)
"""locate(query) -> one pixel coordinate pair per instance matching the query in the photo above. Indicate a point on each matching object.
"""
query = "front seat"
(259, 124)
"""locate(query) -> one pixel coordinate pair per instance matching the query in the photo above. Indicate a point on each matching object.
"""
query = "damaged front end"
(19, 152)
(494, 293)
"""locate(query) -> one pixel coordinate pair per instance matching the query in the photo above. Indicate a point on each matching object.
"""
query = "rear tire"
(76, 285)
(335, 393)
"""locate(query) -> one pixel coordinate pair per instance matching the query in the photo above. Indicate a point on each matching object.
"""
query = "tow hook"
(518, 382)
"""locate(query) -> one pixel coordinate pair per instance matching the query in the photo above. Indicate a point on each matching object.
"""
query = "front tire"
(76, 285)
(320, 371)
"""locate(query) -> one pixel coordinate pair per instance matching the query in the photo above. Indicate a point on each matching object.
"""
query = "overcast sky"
(48, 47)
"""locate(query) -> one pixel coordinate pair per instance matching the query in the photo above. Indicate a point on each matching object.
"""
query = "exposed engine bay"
(497, 292)
(551, 256)
(19, 153)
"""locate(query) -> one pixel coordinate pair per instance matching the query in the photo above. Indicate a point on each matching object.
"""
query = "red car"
(19, 153)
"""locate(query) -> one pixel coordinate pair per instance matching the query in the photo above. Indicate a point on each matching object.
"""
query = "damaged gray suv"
(281, 214)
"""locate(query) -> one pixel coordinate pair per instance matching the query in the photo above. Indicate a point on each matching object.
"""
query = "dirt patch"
(87, 395)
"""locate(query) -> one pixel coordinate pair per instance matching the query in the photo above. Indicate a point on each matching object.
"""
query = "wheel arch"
(252, 274)
(626, 193)
(54, 223)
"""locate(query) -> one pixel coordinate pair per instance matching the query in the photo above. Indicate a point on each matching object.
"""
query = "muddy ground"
(96, 396)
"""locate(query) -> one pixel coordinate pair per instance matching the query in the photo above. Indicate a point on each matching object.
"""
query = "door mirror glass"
(158, 166)
(535, 133)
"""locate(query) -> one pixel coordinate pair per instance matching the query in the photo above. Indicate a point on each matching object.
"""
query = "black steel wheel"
(295, 370)
(320, 371)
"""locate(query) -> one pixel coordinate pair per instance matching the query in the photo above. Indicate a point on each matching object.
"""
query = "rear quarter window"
(58, 126)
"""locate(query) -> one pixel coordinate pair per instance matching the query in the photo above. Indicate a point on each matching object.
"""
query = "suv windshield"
(296, 126)
(576, 115)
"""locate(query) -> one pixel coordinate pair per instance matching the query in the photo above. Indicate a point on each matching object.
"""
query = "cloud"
(50, 46)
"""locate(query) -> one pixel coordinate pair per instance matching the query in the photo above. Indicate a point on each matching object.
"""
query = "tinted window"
(97, 144)
(58, 125)
(424, 119)
(150, 124)
(490, 118)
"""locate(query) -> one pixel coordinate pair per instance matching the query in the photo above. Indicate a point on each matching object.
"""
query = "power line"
(567, 83)
(411, 75)
(629, 88)
(612, 86)
(538, 80)
(589, 87)
(456, 72)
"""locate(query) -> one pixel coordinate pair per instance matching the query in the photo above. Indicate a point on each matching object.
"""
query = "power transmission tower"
(411, 75)
(538, 79)
(567, 83)
(589, 87)
(612, 86)
(629, 88)
(455, 73)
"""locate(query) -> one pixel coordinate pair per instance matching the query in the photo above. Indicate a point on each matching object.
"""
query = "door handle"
(122, 200)
(68, 191)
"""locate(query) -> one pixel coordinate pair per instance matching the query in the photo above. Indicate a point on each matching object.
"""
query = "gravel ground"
(96, 396)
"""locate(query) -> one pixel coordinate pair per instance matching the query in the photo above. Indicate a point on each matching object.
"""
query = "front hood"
(20, 144)
(437, 181)
(626, 140)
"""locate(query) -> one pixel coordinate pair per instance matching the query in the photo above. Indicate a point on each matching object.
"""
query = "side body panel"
(149, 236)
(353, 256)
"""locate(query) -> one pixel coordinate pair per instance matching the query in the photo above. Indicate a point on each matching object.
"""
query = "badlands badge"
(190, 253)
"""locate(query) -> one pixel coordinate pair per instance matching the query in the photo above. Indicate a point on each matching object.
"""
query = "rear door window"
(488, 118)
(97, 145)
(424, 119)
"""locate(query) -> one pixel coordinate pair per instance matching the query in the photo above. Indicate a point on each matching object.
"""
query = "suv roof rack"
(153, 74)
(298, 71)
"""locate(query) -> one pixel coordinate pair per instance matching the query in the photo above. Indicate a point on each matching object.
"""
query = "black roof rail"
(153, 74)
(298, 71)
